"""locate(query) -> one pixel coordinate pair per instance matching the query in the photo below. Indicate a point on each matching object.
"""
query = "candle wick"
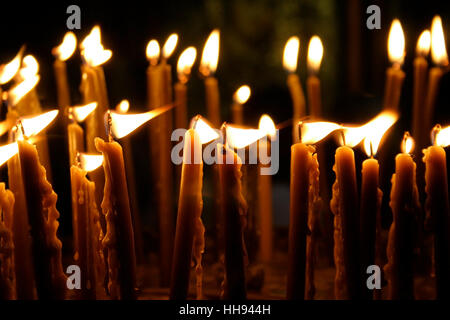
(371, 150)
(223, 129)
(299, 131)
(434, 133)
(20, 127)
(78, 160)
(343, 137)
(108, 125)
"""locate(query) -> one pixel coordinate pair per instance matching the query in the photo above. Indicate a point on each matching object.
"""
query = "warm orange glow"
(315, 54)
(185, 62)
(210, 55)
(438, 50)
(375, 130)
(204, 129)
(313, 132)
(33, 125)
(92, 49)
(21, 89)
(267, 126)
(152, 52)
(90, 162)
(169, 46)
(30, 67)
(242, 94)
(442, 136)
(396, 43)
(407, 143)
(238, 138)
(80, 113)
(123, 106)
(424, 43)
(65, 50)
(290, 54)
(7, 152)
(124, 124)
(9, 70)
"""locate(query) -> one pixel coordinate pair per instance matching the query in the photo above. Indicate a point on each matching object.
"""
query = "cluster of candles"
(105, 212)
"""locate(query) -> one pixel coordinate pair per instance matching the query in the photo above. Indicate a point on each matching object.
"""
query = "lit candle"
(10, 69)
(88, 251)
(190, 205)
(394, 74)
(290, 58)
(303, 200)
(440, 60)
(344, 205)
(184, 66)
(315, 55)
(419, 88)
(404, 204)
(75, 133)
(7, 248)
(239, 98)
(167, 50)
(155, 79)
(371, 196)
(208, 66)
(234, 208)
(43, 216)
(119, 238)
(63, 52)
(437, 207)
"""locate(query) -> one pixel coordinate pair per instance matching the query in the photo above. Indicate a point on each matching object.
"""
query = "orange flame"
(315, 54)
(210, 55)
(152, 52)
(123, 124)
(376, 129)
(90, 162)
(170, 45)
(185, 62)
(123, 106)
(80, 113)
(30, 67)
(9, 70)
(34, 125)
(442, 136)
(267, 126)
(438, 50)
(239, 137)
(7, 152)
(204, 129)
(407, 143)
(396, 43)
(65, 50)
(16, 93)
(290, 54)
(424, 43)
(242, 94)
(92, 49)
(313, 132)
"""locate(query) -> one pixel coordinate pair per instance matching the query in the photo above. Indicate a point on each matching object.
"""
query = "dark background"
(253, 34)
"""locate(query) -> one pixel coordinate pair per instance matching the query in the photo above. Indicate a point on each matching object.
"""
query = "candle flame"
(290, 54)
(65, 50)
(407, 143)
(396, 43)
(438, 50)
(313, 132)
(34, 125)
(92, 49)
(376, 129)
(16, 93)
(242, 94)
(315, 54)
(123, 106)
(185, 62)
(152, 52)
(8, 151)
(204, 129)
(124, 124)
(442, 136)
(90, 162)
(238, 138)
(80, 113)
(30, 67)
(169, 45)
(267, 126)
(9, 70)
(210, 55)
(424, 43)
